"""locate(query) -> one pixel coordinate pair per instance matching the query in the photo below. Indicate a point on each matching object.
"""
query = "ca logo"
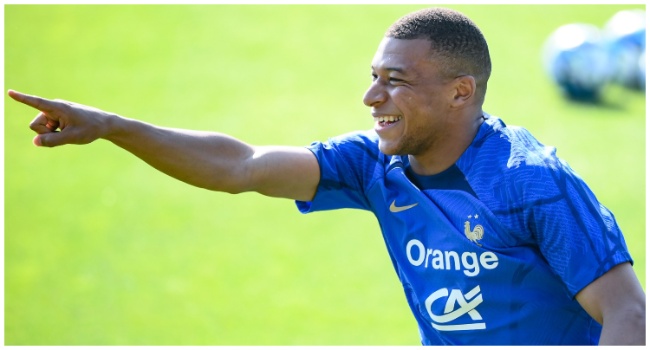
(467, 304)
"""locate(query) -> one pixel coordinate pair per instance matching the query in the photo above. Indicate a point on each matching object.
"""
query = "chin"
(390, 149)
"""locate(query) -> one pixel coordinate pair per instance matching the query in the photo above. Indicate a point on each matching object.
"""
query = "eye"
(394, 80)
(374, 76)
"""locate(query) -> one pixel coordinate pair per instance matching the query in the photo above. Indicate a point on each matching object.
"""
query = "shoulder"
(509, 164)
(514, 147)
(352, 158)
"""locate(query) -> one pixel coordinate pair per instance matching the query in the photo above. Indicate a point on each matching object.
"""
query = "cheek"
(407, 104)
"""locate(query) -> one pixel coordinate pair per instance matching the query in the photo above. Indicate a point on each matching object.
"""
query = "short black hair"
(455, 40)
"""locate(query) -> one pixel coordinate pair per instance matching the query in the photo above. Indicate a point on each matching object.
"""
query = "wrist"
(114, 127)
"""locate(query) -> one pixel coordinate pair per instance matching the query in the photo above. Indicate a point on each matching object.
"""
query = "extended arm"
(617, 301)
(205, 159)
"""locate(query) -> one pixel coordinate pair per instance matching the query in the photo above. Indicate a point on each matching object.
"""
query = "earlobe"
(465, 88)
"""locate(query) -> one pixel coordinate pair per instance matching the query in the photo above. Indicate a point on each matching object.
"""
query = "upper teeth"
(388, 118)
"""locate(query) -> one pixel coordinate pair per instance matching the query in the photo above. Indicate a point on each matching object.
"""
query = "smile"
(387, 120)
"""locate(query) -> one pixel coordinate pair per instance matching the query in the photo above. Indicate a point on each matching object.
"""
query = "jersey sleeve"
(347, 164)
(551, 207)
(578, 236)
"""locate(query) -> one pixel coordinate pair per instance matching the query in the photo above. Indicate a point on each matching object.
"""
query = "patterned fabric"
(491, 251)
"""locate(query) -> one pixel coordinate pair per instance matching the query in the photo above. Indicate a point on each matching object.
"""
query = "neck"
(448, 148)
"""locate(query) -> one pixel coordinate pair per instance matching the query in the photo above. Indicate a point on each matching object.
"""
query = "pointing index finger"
(39, 103)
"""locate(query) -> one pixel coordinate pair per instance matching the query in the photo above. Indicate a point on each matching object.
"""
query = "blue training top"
(492, 250)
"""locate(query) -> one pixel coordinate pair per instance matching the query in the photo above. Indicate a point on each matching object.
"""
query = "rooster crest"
(474, 235)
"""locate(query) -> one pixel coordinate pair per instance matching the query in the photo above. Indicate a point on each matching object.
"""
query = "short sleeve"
(577, 235)
(347, 164)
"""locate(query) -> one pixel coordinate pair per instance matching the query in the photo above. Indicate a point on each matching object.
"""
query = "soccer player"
(495, 239)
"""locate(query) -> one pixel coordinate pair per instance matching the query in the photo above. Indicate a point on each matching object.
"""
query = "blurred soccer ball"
(624, 37)
(642, 75)
(576, 60)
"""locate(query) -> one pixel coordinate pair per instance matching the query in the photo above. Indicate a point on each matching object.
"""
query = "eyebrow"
(393, 69)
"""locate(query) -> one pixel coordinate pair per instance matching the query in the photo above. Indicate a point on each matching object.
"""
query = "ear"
(464, 90)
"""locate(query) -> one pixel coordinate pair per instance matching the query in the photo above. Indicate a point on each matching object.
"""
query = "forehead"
(402, 54)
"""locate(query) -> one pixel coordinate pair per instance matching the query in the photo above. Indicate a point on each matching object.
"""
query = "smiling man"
(494, 238)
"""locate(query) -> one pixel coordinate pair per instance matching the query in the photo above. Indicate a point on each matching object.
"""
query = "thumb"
(51, 139)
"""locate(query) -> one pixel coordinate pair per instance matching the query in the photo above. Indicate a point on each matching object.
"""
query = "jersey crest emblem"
(474, 234)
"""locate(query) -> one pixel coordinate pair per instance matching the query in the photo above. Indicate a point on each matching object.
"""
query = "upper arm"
(616, 299)
(283, 171)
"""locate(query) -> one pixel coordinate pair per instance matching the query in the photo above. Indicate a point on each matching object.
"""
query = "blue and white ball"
(624, 38)
(576, 60)
(642, 75)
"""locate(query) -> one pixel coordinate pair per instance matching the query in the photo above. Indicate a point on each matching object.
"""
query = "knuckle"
(34, 125)
(63, 103)
(60, 105)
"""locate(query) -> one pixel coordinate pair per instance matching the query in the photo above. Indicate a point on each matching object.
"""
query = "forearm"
(205, 159)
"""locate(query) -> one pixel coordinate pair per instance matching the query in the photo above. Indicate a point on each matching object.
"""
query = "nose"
(375, 94)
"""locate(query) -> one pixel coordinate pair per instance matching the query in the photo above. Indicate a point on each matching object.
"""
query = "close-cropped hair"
(457, 44)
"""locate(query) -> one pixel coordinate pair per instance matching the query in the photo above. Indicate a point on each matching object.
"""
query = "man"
(495, 239)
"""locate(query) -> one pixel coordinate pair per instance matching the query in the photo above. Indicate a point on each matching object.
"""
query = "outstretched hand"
(61, 122)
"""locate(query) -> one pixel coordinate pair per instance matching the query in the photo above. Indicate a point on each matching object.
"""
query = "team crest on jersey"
(474, 234)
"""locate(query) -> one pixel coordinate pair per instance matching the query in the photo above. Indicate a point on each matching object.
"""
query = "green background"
(102, 249)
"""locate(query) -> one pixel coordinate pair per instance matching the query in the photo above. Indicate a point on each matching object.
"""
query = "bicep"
(617, 301)
(616, 290)
(283, 171)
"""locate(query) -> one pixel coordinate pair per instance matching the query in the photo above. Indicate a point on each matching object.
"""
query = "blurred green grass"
(102, 249)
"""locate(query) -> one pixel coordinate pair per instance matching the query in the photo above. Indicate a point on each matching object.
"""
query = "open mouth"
(387, 120)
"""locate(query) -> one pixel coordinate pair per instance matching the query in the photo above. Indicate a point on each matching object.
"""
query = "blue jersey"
(492, 250)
